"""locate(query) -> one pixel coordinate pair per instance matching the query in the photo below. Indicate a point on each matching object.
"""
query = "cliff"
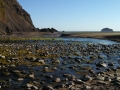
(13, 18)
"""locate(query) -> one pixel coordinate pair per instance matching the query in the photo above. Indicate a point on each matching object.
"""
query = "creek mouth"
(61, 57)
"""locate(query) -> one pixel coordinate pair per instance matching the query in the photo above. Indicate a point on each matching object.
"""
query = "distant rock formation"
(52, 30)
(106, 30)
(13, 18)
(65, 35)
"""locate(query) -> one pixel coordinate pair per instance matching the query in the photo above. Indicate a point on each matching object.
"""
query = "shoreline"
(106, 37)
(97, 35)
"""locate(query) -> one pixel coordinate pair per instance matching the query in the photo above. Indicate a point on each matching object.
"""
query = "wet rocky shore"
(59, 65)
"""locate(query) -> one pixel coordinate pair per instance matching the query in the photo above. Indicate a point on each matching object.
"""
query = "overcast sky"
(74, 15)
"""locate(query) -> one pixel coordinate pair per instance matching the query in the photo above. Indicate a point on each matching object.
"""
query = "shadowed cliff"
(13, 18)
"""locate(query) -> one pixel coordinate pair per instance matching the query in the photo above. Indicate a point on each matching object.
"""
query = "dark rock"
(65, 35)
(61, 85)
(49, 76)
(70, 83)
(52, 30)
(107, 79)
(111, 64)
(92, 71)
(117, 78)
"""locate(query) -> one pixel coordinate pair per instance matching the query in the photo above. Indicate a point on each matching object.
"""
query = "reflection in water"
(89, 40)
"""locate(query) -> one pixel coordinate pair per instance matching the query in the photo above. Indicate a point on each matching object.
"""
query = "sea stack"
(106, 30)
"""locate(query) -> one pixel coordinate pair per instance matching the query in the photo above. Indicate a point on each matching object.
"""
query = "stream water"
(88, 40)
(76, 56)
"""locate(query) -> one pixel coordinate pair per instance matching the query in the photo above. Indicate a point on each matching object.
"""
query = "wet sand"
(103, 35)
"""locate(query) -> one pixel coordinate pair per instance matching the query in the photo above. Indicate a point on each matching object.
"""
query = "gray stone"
(31, 76)
(12, 65)
(70, 83)
(107, 79)
(100, 78)
(55, 61)
(29, 85)
(57, 80)
(9, 61)
(54, 68)
(87, 78)
(2, 57)
(41, 61)
(34, 87)
(79, 81)
(61, 85)
(48, 87)
(102, 82)
(87, 87)
(67, 75)
(45, 67)
(117, 78)
(101, 64)
(35, 82)
(20, 79)
(49, 76)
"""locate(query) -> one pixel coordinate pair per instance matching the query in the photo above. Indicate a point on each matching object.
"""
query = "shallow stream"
(77, 56)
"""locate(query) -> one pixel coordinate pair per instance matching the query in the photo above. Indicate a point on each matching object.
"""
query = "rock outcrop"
(52, 30)
(13, 18)
(65, 35)
(106, 30)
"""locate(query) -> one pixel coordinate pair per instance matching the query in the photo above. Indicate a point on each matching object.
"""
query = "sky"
(74, 15)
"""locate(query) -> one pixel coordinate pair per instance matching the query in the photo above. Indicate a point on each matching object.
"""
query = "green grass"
(11, 39)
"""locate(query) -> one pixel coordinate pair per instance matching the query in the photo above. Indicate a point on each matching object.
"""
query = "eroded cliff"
(13, 18)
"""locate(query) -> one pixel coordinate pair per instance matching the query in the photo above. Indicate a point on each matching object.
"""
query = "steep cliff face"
(13, 18)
